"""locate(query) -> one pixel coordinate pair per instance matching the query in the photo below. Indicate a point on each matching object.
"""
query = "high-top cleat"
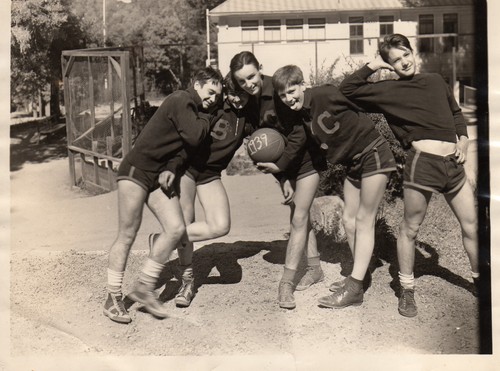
(285, 295)
(406, 305)
(313, 275)
(347, 295)
(145, 295)
(367, 281)
(186, 293)
(114, 308)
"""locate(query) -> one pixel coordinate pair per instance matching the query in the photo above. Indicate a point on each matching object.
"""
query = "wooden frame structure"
(100, 88)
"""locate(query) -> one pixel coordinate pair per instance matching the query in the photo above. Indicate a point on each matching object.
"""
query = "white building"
(315, 34)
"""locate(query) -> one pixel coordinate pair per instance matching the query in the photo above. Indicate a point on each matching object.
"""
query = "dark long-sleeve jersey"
(422, 107)
(274, 114)
(177, 124)
(226, 136)
(336, 123)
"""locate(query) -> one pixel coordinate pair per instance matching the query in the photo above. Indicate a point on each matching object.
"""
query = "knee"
(349, 223)
(409, 230)
(220, 228)
(177, 230)
(469, 228)
(299, 220)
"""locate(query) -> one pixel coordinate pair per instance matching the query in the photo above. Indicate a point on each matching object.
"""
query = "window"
(272, 30)
(386, 25)
(317, 28)
(426, 27)
(249, 31)
(294, 29)
(450, 25)
(356, 35)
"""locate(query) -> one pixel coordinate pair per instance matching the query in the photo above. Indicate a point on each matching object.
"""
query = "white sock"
(115, 281)
(474, 274)
(151, 271)
(407, 281)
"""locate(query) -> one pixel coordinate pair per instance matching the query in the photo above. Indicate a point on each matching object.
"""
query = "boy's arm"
(362, 92)
(176, 164)
(460, 127)
(458, 117)
(295, 145)
(191, 125)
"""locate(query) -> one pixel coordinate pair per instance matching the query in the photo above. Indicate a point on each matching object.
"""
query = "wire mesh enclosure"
(103, 88)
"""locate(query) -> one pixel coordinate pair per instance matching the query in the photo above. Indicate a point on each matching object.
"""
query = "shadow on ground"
(224, 257)
(28, 146)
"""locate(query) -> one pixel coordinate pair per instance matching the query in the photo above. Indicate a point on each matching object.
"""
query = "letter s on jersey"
(220, 129)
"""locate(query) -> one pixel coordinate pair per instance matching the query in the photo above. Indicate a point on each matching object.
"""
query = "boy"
(203, 179)
(424, 116)
(147, 175)
(297, 170)
(348, 137)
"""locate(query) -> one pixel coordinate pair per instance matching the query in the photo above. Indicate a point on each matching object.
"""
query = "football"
(265, 145)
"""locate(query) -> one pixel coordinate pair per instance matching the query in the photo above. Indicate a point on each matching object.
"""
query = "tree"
(40, 29)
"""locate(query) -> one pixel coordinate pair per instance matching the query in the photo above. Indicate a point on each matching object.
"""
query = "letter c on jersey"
(325, 115)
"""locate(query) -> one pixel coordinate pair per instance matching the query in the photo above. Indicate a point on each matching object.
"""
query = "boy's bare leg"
(372, 192)
(131, 198)
(168, 212)
(214, 201)
(370, 195)
(215, 204)
(415, 208)
(305, 190)
(462, 203)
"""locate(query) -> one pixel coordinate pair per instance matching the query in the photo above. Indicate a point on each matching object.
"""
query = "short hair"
(241, 59)
(206, 74)
(397, 41)
(230, 86)
(287, 76)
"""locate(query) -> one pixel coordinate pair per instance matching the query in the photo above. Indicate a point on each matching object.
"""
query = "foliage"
(172, 33)
(40, 30)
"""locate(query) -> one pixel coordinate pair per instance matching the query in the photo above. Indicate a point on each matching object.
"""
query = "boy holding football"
(297, 170)
(348, 137)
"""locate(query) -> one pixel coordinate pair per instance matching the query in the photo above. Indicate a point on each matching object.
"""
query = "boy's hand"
(268, 167)
(166, 180)
(378, 63)
(461, 150)
(288, 192)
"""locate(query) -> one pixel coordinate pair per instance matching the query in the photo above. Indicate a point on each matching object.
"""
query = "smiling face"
(293, 96)
(403, 61)
(209, 93)
(249, 78)
(238, 99)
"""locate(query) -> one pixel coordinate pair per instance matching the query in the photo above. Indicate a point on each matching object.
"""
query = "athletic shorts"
(203, 177)
(144, 178)
(375, 160)
(309, 164)
(429, 172)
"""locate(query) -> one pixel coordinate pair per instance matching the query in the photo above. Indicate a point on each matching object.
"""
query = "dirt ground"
(59, 241)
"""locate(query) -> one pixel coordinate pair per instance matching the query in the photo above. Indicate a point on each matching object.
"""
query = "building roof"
(235, 7)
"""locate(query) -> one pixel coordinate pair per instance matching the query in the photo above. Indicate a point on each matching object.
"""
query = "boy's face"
(250, 79)
(238, 99)
(403, 62)
(293, 96)
(209, 93)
